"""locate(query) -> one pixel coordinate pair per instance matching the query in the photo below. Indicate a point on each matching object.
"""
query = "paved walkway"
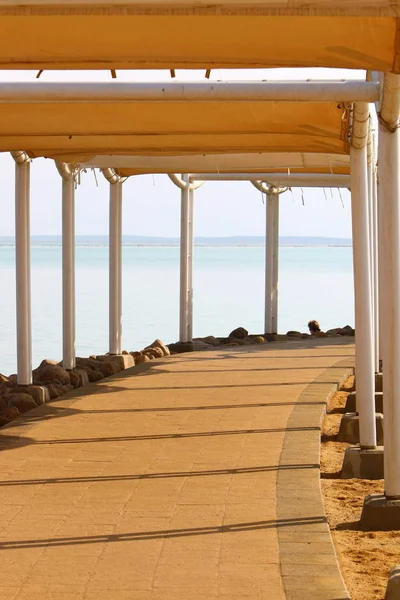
(162, 482)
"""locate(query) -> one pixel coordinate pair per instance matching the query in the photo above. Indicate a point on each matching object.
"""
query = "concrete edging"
(307, 554)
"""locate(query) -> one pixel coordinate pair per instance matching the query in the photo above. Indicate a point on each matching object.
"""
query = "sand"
(365, 557)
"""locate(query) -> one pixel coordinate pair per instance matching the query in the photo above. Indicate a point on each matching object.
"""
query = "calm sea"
(314, 283)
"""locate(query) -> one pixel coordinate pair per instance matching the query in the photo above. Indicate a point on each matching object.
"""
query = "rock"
(319, 334)
(305, 335)
(74, 379)
(23, 402)
(135, 354)
(153, 352)
(68, 388)
(108, 368)
(53, 391)
(240, 333)
(229, 340)
(295, 334)
(50, 372)
(270, 337)
(93, 375)
(198, 345)
(125, 352)
(160, 344)
(347, 330)
(232, 344)
(142, 358)
(335, 331)
(181, 347)
(120, 361)
(3, 380)
(48, 362)
(13, 380)
(257, 339)
(11, 413)
(210, 339)
(92, 363)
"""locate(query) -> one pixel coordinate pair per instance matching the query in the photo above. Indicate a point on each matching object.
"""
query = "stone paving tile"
(162, 482)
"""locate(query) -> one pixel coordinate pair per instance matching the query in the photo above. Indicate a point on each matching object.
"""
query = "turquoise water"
(314, 283)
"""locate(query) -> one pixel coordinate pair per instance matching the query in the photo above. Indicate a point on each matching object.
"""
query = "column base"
(361, 463)
(393, 584)
(352, 400)
(83, 376)
(380, 513)
(378, 382)
(349, 430)
(39, 393)
(122, 361)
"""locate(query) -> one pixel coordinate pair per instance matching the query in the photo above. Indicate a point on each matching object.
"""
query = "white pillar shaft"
(23, 273)
(115, 262)
(275, 264)
(184, 264)
(68, 271)
(382, 293)
(389, 269)
(269, 252)
(190, 266)
(372, 244)
(363, 298)
(375, 270)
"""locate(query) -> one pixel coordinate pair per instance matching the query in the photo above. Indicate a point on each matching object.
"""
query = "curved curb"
(309, 564)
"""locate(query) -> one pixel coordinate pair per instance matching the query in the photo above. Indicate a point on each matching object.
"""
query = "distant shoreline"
(200, 242)
(177, 246)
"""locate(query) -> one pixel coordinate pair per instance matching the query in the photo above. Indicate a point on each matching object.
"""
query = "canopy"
(78, 132)
(225, 163)
(158, 34)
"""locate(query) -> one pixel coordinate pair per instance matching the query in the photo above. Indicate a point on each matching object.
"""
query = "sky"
(151, 204)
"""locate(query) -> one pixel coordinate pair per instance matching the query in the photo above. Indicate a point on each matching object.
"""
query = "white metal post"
(375, 271)
(115, 268)
(389, 271)
(23, 272)
(184, 279)
(363, 298)
(370, 181)
(269, 251)
(68, 270)
(275, 263)
(190, 266)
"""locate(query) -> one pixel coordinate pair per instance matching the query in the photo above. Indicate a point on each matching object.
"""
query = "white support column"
(375, 270)
(381, 290)
(23, 272)
(115, 269)
(370, 181)
(389, 271)
(68, 270)
(184, 264)
(190, 266)
(269, 254)
(275, 263)
(363, 298)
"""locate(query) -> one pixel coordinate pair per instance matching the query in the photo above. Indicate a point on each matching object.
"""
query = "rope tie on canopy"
(360, 119)
(386, 126)
(20, 157)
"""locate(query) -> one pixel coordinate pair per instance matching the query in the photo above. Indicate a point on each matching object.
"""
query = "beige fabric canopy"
(145, 34)
(225, 163)
(75, 132)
